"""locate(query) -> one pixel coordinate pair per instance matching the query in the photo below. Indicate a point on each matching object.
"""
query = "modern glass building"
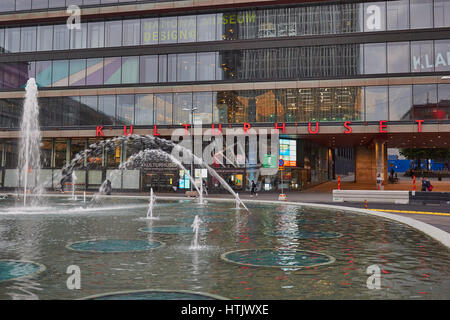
(344, 79)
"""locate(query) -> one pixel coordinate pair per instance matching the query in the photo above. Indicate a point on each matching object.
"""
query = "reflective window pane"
(400, 103)
(60, 37)
(144, 109)
(60, 74)
(186, 67)
(113, 33)
(94, 71)
(162, 68)
(441, 13)
(149, 31)
(43, 73)
(96, 33)
(163, 108)
(444, 102)
(112, 70)
(131, 32)
(425, 101)
(130, 70)
(148, 67)
(168, 30)
(206, 66)
(44, 38)
(202, 102)
(7, 5)
(2, 40)
(57, 3)
(78, 37)
(22, 5)
(206, 27)
(421, 12)
(171, 67)
(187, 28)
(107, 109)
(12, 35)
(398, 57)
(125, 109)
(88, 110)
(376, 103)
(397, 15)
(442, 54)
(183, 106)
(374, 58)
(28, 39)
(422, 56)
(39, 4)
(77, 72)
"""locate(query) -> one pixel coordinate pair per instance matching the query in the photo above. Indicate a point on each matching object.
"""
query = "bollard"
(365, 204)
(414, 183)
(339, 182)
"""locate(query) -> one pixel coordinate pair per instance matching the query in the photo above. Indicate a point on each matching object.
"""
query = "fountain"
(195, 227)
(163, 147)
(74, 179)
(151, 204)
(30, 140)
(200, 197)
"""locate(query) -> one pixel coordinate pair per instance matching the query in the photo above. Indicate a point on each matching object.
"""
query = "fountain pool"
(240, 255)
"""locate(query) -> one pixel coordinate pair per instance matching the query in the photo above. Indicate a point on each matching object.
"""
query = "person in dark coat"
(108, 187)
(253, 190)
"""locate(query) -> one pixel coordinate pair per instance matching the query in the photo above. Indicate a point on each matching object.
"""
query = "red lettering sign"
(315, 131)
(186, 126)
(214, 131)
(347, 126)
(282, 127)
(99, 131)
(382, 126)
(155, 131)
(125, 130)
(246, 126)
(419, 122)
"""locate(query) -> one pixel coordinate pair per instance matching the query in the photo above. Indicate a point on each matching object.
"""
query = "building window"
(206, 66)
(107, 109)
(113, 33)
(60, 37)
(130, 70)
(163, 108)
(376, 103)
(374, 58)
(144, 109)
(125, 109)
(400, 103)
(425, 101)
(398, 57)
(397, 15)
(421, 12)
(44, 38)
(96, 34)
(131, 32)
(27, 39)
(422, 57)
(441, 13)
(148, 69)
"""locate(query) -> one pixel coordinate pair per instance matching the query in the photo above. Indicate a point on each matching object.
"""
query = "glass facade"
(313, 19)
(259, 64)
(331, 104)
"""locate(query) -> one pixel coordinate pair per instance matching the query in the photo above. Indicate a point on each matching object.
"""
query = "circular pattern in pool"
(277, 258)
(15, 269)
(305, 234)
(204, 219)
(114, 245)
(170, 229)
(155, 295)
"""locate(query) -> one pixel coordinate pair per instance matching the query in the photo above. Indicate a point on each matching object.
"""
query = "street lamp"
(192, 110)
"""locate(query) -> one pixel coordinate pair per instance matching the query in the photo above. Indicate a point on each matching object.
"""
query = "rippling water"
(413, 265)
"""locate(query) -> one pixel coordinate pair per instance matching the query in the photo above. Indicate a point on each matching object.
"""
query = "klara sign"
(313, 128)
